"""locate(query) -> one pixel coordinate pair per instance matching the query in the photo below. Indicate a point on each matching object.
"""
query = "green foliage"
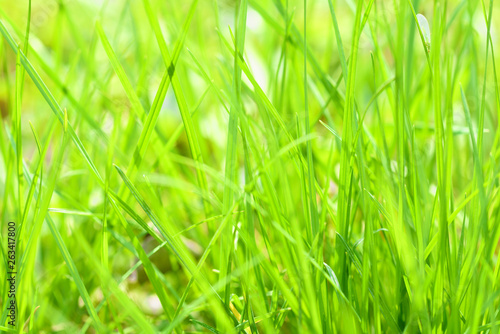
(251, 166)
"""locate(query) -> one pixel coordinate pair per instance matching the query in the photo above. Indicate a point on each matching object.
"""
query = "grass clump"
(251, 166)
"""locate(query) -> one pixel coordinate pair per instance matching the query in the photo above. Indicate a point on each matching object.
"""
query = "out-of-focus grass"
(251, 166)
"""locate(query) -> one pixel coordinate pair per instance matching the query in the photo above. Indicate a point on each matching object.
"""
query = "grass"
(251, 166)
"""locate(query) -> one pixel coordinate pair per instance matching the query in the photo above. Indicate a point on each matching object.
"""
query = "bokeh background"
(67, 52)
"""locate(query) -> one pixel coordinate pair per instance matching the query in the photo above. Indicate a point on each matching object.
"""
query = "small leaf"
(426, 32)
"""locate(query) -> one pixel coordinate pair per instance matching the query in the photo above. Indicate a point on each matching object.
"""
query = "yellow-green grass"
(253, 166)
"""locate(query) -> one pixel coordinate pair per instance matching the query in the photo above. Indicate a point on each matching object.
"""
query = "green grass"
(251, 166)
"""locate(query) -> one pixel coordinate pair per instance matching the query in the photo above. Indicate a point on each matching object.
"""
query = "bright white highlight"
(426, 32)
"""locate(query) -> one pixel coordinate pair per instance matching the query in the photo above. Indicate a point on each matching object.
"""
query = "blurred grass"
(251, 166)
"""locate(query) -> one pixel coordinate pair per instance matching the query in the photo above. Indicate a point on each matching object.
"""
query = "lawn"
(249, 166)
